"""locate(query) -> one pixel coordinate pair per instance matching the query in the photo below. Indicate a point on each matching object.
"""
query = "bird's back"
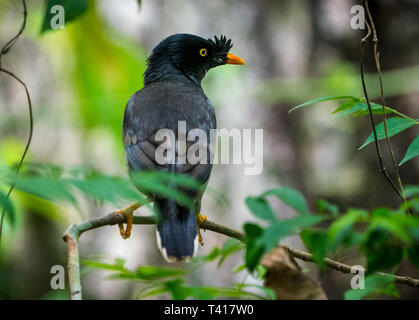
(164, 105)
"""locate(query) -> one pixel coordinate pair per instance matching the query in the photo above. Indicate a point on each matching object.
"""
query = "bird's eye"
(203, 52)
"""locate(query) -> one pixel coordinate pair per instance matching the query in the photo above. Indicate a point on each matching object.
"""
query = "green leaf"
(346, 105)
(373, 284)
(359, 108)
(392, 226)
(179, 291)
(270, 293)
(413, 254)
(181, 180)
(149, 292)
(255, 247)
(239, 268)
(141, 273)
(341, 229)
(7, 205)
(380, 250)
(260, 208)
(214, 254)
(47, 188)
(390, 290)
(107, 189)
(395, 125)
(406, 221)
(229, 247)
(283, 228)
(412, 151)
(118, 266)
(165, 185)
(317, 242)
(322, 99)
(290, 197)
(155, 273)
(261, 271)
(260, 241)
(325, 206)
(253, 231)
(411, 190)
(415, 204)
(72, 10)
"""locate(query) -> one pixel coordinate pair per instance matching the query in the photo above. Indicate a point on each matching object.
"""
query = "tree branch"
(73, 233)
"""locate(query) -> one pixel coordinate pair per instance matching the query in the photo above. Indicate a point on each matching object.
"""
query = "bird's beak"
(232, 59)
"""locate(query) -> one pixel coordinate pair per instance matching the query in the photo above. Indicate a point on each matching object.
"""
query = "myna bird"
(172, 93)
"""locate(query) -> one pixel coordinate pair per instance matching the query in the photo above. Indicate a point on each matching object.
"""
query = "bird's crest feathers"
(222, 44)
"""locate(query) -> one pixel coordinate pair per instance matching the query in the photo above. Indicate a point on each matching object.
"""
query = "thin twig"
(345, 268)
(383, 169)
(73, 233)
(3, 51)
(378, 67)
(9, 44)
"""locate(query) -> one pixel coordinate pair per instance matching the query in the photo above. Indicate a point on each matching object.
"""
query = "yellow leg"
(200, 219)
(127, 212)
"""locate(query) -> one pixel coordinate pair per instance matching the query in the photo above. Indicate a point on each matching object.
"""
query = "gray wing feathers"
(161, 107)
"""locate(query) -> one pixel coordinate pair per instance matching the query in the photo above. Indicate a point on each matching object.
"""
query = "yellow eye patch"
(203, 52)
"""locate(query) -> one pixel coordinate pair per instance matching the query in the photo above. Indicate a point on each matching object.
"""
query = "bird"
(173, 93)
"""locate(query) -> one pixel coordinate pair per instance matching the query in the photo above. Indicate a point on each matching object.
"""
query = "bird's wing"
(162, 106)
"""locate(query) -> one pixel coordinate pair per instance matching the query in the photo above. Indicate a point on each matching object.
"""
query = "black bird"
(172, 92)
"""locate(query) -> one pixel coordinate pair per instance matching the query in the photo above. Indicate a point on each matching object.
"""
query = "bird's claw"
(128, 213)
(200, 219)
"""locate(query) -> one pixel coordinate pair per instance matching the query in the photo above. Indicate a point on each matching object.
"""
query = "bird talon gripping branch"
(200, 219)
(128, 213)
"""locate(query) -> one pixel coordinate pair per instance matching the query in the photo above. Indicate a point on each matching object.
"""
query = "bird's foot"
(128, 213)
(200, 219)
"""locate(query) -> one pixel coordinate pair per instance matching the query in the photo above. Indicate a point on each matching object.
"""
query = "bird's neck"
(168, 71)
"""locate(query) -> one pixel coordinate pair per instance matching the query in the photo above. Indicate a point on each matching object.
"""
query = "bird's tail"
(177, 235)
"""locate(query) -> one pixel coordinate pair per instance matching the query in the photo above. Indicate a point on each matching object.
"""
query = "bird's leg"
(200, 219)
(128, 213)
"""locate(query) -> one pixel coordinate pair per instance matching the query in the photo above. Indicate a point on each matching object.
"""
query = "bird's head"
(187, 55)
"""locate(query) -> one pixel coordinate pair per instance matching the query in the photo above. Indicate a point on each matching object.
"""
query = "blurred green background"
(81, 77)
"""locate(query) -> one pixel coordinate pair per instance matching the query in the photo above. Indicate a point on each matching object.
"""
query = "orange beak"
(232, 59)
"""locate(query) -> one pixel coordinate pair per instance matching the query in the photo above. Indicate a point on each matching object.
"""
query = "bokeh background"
(80, 79)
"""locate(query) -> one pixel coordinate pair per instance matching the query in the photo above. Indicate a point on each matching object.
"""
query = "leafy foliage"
(262, 239)
(324, 206)
(290, 197)
(374, 284)
(383, 235)
(412, 151)
(317, 242)
(61, 186)
(157, 281)
(394, 126)
(9, 208)
(357, 106)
